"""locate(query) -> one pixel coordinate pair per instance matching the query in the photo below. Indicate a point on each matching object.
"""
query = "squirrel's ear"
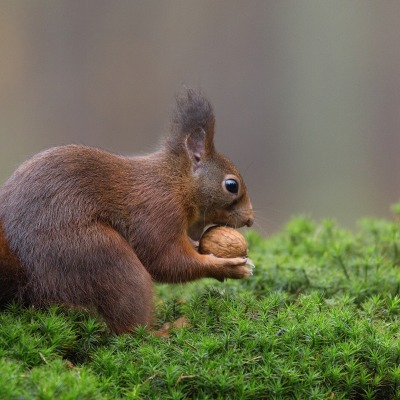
(196, 147)
(192, 125)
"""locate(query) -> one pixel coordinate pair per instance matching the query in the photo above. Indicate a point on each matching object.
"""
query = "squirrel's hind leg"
(96, 269)
(10, 271)
(123, 287)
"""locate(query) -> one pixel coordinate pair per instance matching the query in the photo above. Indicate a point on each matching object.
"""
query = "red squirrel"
(87, 228)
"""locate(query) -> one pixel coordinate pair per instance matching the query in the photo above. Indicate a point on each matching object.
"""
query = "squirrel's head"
(218, 190)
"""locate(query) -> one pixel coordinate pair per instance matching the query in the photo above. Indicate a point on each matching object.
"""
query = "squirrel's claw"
(250, 264)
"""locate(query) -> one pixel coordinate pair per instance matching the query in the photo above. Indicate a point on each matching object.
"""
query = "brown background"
(306, 93)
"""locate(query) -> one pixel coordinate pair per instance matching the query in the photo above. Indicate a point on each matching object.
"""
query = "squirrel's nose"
(250, 221)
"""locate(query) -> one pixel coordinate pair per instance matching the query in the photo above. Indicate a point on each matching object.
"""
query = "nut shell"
(223, 242)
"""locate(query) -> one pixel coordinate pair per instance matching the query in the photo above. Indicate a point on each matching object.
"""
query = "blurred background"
(306, 92)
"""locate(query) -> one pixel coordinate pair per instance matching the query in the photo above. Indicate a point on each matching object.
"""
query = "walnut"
(223, 242)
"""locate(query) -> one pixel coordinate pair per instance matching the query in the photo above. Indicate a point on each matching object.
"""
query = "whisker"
(247, 167)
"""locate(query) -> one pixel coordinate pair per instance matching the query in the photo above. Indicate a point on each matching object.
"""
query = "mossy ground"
(318, 320)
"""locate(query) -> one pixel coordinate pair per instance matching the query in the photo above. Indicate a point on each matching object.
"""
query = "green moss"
(319, 319)
(396, 208)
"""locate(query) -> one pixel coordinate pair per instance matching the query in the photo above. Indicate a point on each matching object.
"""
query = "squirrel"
(86, 228)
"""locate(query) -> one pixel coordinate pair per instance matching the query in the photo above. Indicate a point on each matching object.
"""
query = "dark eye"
(232, 186)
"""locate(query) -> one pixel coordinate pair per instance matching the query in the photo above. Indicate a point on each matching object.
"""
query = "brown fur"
(86, 228)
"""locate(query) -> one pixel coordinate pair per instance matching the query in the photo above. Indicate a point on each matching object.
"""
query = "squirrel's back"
(59, 185)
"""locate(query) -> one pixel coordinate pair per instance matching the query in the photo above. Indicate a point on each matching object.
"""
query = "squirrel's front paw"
(233, 268)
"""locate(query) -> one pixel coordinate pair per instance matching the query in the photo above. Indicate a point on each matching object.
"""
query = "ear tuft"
(192, 123)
